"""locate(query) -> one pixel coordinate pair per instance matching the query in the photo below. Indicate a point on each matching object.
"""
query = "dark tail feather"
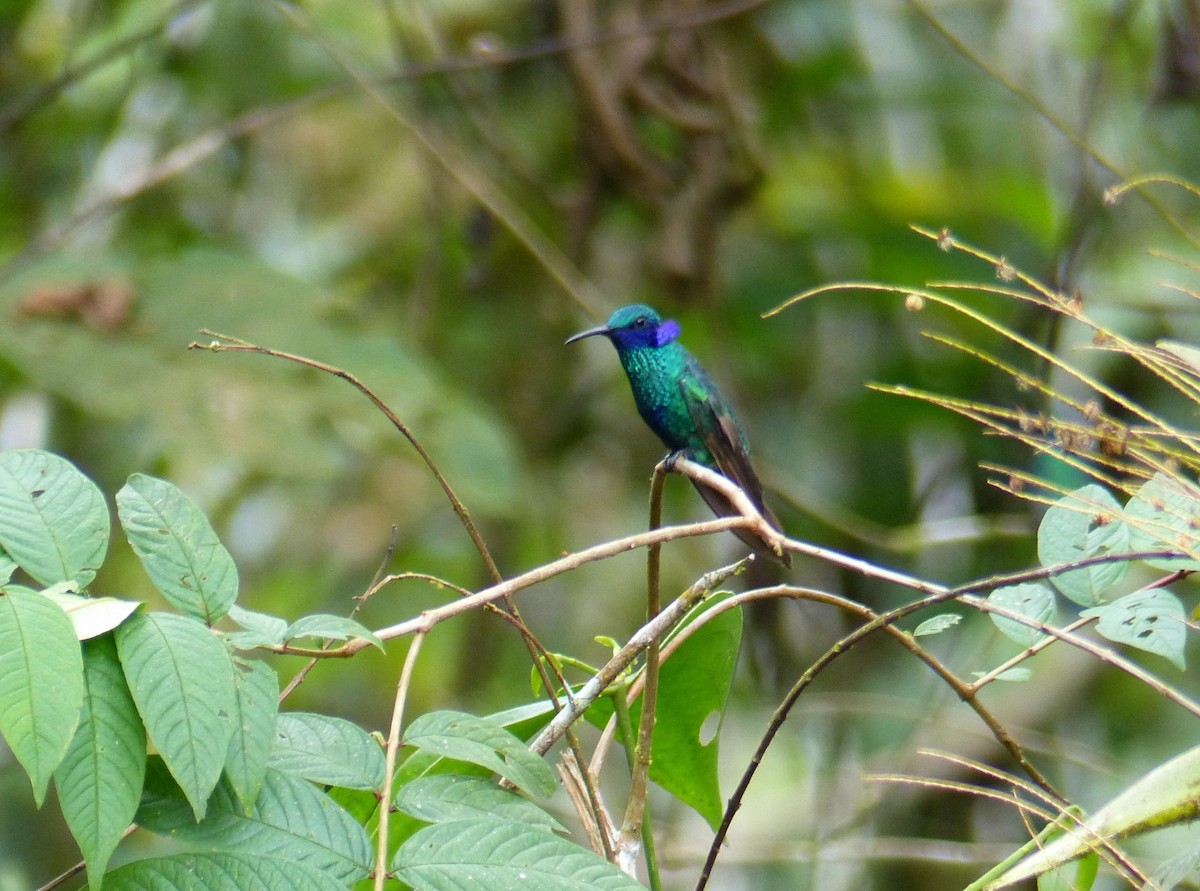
(722, 507)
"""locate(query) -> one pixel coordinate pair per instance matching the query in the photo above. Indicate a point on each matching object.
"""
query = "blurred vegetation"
(433, 195)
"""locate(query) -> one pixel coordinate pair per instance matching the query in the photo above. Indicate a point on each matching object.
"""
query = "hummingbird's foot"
(668, 462)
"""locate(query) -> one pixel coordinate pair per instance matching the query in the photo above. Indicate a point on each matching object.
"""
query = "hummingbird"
(679, 401)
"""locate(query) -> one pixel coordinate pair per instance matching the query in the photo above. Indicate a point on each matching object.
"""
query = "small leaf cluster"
(1088, 529)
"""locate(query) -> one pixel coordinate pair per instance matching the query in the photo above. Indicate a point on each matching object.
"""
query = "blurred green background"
(433, 194)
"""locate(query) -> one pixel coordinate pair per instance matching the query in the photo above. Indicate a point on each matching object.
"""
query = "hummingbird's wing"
(722, 437)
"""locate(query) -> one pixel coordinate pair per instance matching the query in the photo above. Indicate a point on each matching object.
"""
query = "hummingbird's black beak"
(590, 332)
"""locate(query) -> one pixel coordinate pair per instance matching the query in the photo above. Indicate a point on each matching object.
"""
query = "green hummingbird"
(679, 401)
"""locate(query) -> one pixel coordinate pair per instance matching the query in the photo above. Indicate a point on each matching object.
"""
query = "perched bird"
(678, 400)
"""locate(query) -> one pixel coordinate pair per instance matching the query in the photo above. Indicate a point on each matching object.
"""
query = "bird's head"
(634, 327)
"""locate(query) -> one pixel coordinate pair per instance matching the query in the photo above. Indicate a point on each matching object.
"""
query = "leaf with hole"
(1085, 523)
(693, 690)
(1151, 620)
(1032, 600)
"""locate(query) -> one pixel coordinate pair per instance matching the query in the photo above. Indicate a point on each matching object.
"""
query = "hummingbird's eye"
(641, 322)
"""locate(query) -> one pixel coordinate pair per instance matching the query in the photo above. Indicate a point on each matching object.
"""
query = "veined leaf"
(181, 678)
(99, 781)
(494, 853)
(53, 520)
(219, 872)
(291, 819)
(327, 750)
(447, 797)
(327, 627)
(41, 682)
(477, 741)
(178, 548)
(256, 706)
(262, 630)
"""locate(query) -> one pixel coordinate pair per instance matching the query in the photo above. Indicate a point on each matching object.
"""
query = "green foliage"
(1089, 526)
(494, 853)
(178, 548)
(1149, 620)
(182, 680)
(41, 682)
(464, 737)
(1164, 515)
(448, 797)
(99, 781)
(88, 680)
(1086, 523)
(57, 521)
(219, 872)
(1034, 601)
(291, 819)
(431, 199)
(327, 750)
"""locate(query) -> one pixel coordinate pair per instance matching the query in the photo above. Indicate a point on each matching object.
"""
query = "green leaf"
(178, 548)
(448, 797)
(937, 624)
(41, 683)
(477, 741)
(219, 872)
(99, 781)
(7, 567)
(1149, 620)
(1164, 515)
(262, 630)
(1031, 599)
(327, 627)
(291, 819)
(493, 853)
(328, 750)
(53, 520)
(693, 689)
(1086, 523)
(181, 677)
(92, 616)
(256, 705)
